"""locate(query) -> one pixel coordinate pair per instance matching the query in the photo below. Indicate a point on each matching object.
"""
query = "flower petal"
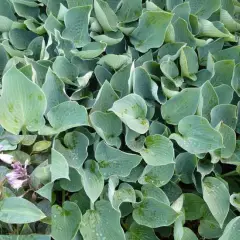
(6, 158)
(16, 184)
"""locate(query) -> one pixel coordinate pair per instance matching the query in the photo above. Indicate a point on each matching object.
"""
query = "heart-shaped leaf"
(197, 135)
(151, 30)
(115, 162)
(76, 115)
(74, 148)
(157, 175)
(181, 105)
(102, 222)
(132, 110)
(65, 221)
(76, 20)
(153, 214)
(23, 103)
(159, 150)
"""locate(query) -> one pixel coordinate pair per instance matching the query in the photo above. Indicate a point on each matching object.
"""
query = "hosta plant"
(119, 119)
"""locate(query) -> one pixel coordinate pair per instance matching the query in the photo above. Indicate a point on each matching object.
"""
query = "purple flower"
(18, 176)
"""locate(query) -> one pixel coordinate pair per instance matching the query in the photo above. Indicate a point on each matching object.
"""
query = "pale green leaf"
(73, 184)
(152, 213)
(105, 98)
(51, 24)
(224, 93)
(223, 72)
(75, 116)
(125, 193)
(110, 38)
(115, 162)
(231, 231)
(105, 16)
(92, 180)
(151, 30)
(101, 223)
(115, 61)
(76, 20)
(185, 166)
(236, 79)
(226, 113)
(181, 105)
(216, 196)
(182, 33)
(23, 103)
(157, 175)
(59, 166)
(132, 110)
(188, 62)
(91, 50)
(151, 191)
(197, 135)
(65, 70)
(129, 11)
(229, 22)
(134, 140)
(204, 8)
(74, 148)
(65, 221)
(46, 191)
(208, 100)
(235, 200)
(54, 90)
(17, 210)
(158, 151)
(144, 86)
(108, 126)
(229, 141)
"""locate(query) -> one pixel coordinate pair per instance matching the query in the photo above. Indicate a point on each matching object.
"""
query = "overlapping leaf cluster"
(128, 112)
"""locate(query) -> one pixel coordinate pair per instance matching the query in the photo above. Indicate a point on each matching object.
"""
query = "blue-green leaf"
(59, 166)
(151, 30)
(76, 20)
(92, 180)
(158, 151)
(17, 210)
(157, 175)
(23, 103)
(132, 110)
(217, 197)
(231, 230)
(153, 214)
(65, 221)
(197, 135)
(181, 105)
(115, 162)
(76, 115)
(101, 223)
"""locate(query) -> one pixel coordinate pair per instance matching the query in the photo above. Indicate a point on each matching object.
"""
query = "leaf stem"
(24, 130)
(10, 228)
(91, 205)
(230, 174)
(63, 196)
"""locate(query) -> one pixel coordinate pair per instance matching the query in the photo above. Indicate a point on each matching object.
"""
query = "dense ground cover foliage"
(119, 119)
